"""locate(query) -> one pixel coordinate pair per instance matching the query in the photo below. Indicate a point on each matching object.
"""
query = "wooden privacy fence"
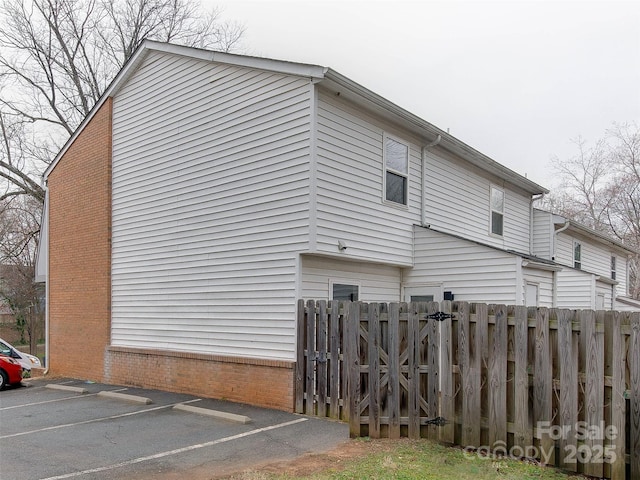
(562, 386)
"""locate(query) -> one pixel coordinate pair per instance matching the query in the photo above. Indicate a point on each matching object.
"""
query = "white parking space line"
(56, 400)
(94, 420)
(176, 451)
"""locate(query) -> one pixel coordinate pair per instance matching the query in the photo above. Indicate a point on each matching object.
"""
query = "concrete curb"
(125, 397)
(66, 388)
(230, 417)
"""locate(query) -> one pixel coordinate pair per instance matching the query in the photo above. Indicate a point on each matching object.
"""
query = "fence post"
(311, 350)
(334, 371)
(300, 362)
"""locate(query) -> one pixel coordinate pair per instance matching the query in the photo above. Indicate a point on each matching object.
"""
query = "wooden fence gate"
(562, 386)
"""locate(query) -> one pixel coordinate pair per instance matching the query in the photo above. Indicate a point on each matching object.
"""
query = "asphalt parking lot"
(58, 429)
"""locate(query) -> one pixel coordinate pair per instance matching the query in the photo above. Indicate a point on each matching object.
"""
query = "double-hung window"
(577, 255)
(396, 171)
(497, 211)
(613, 267)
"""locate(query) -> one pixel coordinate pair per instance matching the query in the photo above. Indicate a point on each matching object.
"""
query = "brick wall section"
(267, 383)
(80, 252)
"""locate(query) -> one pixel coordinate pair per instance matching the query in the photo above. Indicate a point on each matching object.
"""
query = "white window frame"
(577, 263)
(614, 267)
(344, 281)
(491, 210)
(393, 171)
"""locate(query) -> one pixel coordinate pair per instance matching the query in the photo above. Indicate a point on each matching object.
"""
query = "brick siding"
(267, 383)
(80, 252)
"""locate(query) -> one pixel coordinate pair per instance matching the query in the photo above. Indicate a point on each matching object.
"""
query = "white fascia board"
(429, 132)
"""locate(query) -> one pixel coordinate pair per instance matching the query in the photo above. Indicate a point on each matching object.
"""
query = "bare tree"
(600, 187)
(19, 226)
(57, 57)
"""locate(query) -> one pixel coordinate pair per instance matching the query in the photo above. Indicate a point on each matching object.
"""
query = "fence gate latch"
(320, 357)
(440, 316)
(438, 421)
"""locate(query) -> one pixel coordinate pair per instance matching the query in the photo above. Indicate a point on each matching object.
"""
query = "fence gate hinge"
(440, 316)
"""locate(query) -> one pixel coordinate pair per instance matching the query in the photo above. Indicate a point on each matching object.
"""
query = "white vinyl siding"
(210, 205)
(576, 289)
(378, 283)
(543, 232)
(350, 172)
(472, 272)
(457, 201)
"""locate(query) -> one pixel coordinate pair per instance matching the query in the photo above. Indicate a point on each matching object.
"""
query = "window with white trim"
(396, 171)
(613, 267)
(577, 255)
(343, 291)
(497, 211)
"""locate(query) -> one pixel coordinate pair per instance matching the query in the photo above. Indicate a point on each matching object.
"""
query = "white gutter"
(423, 219)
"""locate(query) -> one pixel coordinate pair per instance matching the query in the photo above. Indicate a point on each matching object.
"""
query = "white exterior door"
(531, 295)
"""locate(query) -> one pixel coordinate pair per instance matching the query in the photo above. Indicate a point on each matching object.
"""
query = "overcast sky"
(516, 80)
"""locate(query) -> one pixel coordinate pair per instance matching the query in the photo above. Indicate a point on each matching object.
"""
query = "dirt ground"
(311, 463)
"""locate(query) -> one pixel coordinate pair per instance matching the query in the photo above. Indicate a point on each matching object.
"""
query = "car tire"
(4, 379)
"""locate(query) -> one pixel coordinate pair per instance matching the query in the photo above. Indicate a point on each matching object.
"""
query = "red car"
(10, 371)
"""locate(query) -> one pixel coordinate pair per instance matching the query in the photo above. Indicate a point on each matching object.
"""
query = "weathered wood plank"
(300, 360)
(413, 375)
(393, 385)
(321, 362)
(616, 369)
(334, 362)
(497, 377)
(594, 387)
(523, 436)
(352, 345)
(374, 370)
(447, 401)
(543, 385)
(568, 398)
(634, 387)
(469, 358)
(433, 380)
(311, 352)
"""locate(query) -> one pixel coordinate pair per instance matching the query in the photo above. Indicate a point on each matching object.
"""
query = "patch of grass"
(422, 459)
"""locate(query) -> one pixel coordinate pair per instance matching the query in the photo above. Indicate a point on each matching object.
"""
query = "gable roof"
(331, 80)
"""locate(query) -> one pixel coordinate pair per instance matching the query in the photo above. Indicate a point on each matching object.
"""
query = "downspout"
(533, 199)
(554, 301)
(46, 289)
(423, 196)
(555, 234)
